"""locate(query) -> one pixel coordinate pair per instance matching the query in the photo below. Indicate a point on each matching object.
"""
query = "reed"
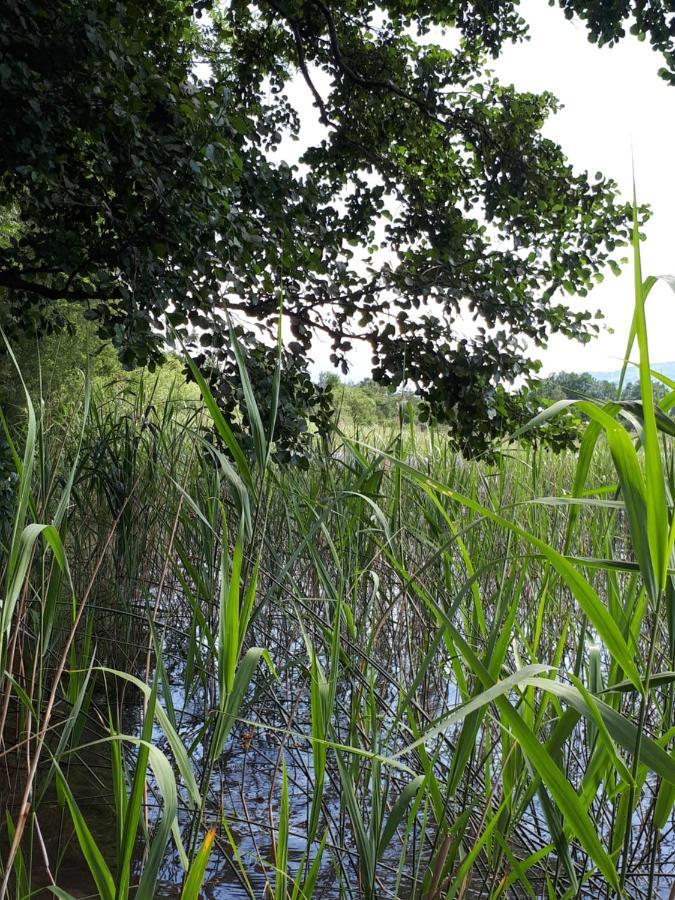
(396, 673)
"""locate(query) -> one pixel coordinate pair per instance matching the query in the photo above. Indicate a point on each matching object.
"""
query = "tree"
(583, 386)
(632, 391)
(575, 385)
(138, 158)
(366, 403)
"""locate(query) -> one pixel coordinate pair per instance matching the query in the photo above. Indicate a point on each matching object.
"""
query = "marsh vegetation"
(393, 672)
(266, 635)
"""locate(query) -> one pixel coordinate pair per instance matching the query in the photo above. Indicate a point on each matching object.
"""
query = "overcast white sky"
(613, 101)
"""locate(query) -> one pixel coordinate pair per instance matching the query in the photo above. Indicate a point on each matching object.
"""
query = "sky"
(615, 107)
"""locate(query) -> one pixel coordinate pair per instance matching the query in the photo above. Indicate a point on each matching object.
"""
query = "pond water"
(245, 788)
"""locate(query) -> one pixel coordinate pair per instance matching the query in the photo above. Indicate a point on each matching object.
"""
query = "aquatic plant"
(394, 673)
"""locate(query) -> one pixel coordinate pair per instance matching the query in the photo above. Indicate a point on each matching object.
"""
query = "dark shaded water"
(245, 789)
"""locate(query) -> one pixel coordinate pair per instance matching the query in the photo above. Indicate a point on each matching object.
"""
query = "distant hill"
(665, 368)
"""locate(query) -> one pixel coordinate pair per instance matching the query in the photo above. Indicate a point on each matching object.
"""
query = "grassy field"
(395, 674)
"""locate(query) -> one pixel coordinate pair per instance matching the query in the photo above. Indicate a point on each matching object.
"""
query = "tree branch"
(12, 280)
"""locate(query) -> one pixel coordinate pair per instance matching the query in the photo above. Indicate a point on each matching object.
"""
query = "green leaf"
(177, 748)
(588, 599)
(621, 729)
(195, 876)
(281, 879)
(398, 812)
(93, 856)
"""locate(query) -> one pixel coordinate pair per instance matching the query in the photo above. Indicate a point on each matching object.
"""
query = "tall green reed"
(465, 671)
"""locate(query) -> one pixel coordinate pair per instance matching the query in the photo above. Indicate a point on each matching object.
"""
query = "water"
(245, 788)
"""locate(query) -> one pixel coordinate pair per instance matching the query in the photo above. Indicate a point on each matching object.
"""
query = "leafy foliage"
(144, 168)
(606, 23)
(367, 403)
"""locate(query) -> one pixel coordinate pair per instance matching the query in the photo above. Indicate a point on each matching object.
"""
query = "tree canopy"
(145, 173)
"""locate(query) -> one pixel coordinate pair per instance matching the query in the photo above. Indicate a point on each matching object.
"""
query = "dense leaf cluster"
(608, 23)
(146, 158)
